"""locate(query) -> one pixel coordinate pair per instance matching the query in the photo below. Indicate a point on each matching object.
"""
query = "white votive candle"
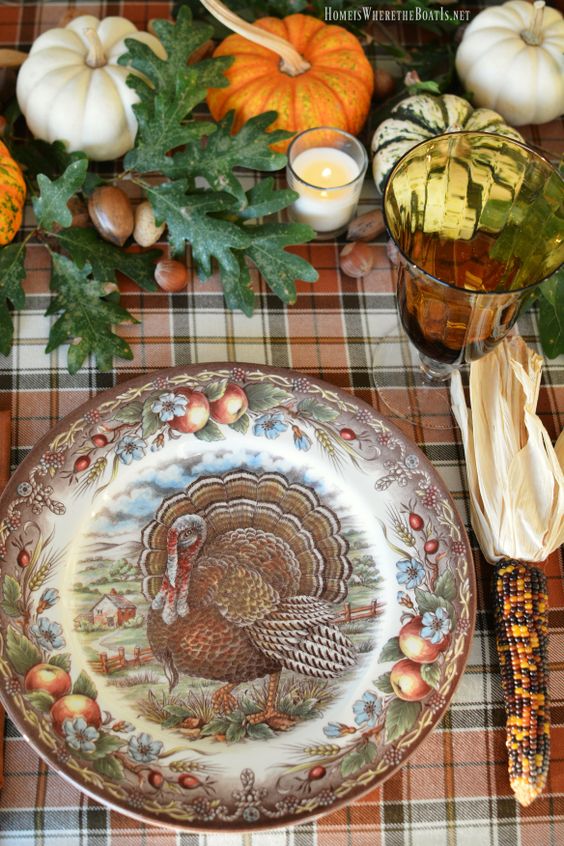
(327, 198)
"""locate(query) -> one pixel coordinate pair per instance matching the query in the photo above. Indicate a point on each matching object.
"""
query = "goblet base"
(434, 372)
(409, 387)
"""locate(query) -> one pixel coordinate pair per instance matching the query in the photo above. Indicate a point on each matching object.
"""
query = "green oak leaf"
(279, 268)
(86, 247)
(37, 156)
(50, 206)
(551, 315)
(263, 199)
(87, 317)
(176, 89)
(238, 287)
(250, 148)
(12, 274)
(189, 219)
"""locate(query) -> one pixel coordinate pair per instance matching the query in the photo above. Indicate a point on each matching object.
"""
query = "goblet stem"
(435, 372)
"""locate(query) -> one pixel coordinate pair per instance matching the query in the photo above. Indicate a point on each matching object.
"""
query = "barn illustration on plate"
(112, 610)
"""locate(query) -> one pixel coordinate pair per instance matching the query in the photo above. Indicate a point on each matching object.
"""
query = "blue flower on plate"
(158, 443)
(301, 440)
(49, 597)
(367, 709)
(48, 634)
(130, 449)
(270, 426)
(143, 748)
(79, 735)
(410, 573)
(435, 625)
(169, 406)
(332, 730)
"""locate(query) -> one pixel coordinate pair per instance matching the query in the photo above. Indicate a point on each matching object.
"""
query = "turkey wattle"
(241, 571)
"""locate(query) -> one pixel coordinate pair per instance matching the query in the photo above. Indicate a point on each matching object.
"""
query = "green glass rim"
(430, 275)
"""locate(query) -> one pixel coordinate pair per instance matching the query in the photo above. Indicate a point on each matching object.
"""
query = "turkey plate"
(231, 597)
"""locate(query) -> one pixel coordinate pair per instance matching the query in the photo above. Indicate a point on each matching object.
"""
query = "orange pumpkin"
(323, 79)
(12, 196)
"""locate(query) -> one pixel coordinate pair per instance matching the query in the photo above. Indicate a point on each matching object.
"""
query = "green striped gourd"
(422, 116)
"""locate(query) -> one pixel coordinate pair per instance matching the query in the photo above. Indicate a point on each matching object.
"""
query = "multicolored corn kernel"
(521, 612)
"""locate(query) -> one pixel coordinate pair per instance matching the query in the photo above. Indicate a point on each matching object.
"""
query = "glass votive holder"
(326, 167)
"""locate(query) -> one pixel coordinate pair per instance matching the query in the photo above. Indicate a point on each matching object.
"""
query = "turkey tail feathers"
(268, 502)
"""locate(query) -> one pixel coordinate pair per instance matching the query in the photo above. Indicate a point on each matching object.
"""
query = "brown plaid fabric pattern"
(454, 790)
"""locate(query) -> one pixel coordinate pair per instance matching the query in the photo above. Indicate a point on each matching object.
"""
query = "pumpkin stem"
(292, 62)
(96, 57)
(534, 35)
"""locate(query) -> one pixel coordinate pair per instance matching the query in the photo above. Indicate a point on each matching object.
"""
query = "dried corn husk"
(515, 477)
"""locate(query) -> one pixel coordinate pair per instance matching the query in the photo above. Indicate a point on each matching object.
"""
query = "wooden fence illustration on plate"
(351, 613)
(107, 664)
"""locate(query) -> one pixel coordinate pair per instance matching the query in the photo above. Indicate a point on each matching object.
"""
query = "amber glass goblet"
(478, 220)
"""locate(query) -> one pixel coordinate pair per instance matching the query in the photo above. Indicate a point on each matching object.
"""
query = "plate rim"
(343, 394)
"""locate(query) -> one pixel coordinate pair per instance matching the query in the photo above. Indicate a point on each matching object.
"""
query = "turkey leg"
(273, 718)
(223, 701)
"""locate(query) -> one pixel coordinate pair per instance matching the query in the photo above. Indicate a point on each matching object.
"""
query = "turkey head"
(242, 571)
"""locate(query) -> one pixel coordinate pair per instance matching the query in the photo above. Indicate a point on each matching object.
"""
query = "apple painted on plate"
(72, 706)
(197, 412)
(231, 406)
(48, 678)
(418, 648)
(407, 682)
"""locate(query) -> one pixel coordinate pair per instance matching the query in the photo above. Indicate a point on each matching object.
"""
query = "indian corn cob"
(521, 612)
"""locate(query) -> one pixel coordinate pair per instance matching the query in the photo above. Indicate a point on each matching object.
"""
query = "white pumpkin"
(70, 88)
(511, 60)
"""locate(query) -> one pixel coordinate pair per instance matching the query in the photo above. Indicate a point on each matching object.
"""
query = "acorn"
(357, 259)
(171, 275)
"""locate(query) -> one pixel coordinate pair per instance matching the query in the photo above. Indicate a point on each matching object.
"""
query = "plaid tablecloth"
(454, 790)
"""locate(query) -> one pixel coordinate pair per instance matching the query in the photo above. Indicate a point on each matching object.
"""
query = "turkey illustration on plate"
(242, 584)
(231, 597)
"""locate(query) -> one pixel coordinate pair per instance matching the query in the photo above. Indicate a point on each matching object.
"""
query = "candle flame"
(326, 172)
